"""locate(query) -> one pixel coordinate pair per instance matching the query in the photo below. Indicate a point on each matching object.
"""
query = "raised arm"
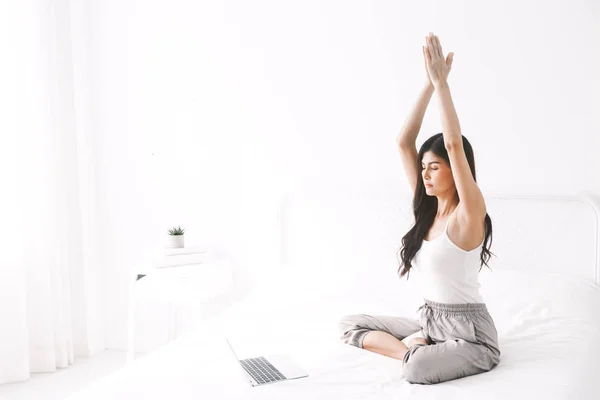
(438, 69)
(473, 205)
(412, 125)
(407, 137)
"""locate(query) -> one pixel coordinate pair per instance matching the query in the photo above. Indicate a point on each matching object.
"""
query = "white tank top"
(446, 273)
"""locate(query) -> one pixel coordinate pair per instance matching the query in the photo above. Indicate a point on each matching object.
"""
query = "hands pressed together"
(437, 67)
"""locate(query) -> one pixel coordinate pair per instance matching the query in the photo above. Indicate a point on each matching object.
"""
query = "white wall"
(209, 111)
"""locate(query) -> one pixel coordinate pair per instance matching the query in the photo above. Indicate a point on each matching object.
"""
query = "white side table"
(169, 301)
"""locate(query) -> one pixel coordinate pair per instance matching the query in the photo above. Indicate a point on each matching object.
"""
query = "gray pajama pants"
(463, 338)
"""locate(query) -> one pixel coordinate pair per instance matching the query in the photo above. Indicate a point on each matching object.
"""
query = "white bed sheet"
(548, 327)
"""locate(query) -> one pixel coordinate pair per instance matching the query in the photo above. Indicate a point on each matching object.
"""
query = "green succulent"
(176, 231)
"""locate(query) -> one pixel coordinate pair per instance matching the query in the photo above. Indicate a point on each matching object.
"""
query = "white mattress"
(548, 325)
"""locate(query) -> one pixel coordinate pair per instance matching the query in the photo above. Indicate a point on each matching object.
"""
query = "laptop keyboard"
(261, 370)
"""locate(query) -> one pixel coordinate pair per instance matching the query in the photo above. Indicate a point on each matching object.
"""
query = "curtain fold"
(50, 298)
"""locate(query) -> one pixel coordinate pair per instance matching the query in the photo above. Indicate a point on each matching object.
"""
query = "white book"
(168, 251)
(182, 259)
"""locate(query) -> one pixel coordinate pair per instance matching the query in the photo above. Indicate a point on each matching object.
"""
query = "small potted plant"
(176, 237)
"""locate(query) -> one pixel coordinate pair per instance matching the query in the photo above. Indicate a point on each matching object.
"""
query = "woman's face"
(436, 174)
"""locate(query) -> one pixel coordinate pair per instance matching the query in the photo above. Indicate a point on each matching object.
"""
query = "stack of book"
(173, 257)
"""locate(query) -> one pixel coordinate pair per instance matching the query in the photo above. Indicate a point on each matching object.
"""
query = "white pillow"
(518, 297)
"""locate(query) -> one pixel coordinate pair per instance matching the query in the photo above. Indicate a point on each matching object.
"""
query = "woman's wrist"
(440, 84)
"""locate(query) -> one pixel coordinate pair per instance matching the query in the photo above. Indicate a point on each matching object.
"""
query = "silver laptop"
(274, 368)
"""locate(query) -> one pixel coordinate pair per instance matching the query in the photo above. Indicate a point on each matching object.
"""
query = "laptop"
(273, 368)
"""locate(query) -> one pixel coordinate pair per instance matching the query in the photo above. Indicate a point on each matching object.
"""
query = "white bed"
(338, 253)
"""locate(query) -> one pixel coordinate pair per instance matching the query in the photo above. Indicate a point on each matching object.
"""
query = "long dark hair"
(425, 207)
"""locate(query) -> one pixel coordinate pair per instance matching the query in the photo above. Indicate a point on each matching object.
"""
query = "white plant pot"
(175, 241)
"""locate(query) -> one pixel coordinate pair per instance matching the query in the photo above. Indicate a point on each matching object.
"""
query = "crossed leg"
(380, 334)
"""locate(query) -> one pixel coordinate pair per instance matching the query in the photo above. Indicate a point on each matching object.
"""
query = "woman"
(447, 244)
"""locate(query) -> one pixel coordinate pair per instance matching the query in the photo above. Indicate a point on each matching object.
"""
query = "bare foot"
(414, 341)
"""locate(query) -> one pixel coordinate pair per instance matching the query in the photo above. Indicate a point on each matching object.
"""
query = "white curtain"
(50, 280)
